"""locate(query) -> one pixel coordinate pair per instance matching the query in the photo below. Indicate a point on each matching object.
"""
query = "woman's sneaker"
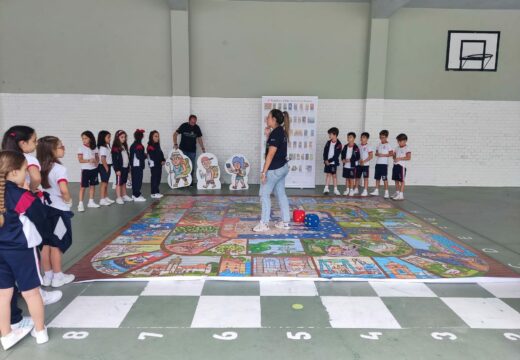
(282, 225)
(261, 227)
(92, 204)
(120, 201)
(63, 279)
(104, 202)
(109, 200)
(81, 207)
(50, 297)
(41, 336)
(25, 322)
(14, 336)
(127, 198)
(139, 198)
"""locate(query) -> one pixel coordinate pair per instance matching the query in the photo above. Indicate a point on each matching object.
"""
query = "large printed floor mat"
(364, 238)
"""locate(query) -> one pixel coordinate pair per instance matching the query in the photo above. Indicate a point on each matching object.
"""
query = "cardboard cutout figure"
(178, 167)
(238, 167)
(208, 172)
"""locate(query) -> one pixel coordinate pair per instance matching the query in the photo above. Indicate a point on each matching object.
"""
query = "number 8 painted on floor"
(75, 335)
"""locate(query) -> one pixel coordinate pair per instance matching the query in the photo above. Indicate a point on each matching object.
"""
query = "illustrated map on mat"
(212, 236)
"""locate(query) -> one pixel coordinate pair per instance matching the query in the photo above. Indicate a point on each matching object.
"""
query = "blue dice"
(312, 220)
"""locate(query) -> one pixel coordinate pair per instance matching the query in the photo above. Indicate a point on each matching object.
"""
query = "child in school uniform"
(331, 154)
(50, 150)
(137, 159)
(363, 169)
(384, 151)
(22, 219)
(350, 157)
(156, 161)
(105, 166)
(88, 156)
(121, 163)
(402, 156)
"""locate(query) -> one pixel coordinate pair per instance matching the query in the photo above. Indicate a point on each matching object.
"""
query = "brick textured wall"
(467, 143)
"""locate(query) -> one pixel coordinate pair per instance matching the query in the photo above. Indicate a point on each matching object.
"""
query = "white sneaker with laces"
(356, 191)
(346, 192)
(92, 204)
(364, 193)
(261, 227)
(120, 201)
(138, 199)
(336, 192)
(46, 281)
(81, 208)
(25, 322)
(159, 195)
(103, 202)
(58, 281)
(41, 336)
(14, 336)
(51, 297)
(351, 193)
(326, 190)
(282, 225)
(109, 200)
(127, 198)
(375, 192)
(387, 194)
(395, 194)
(399, 197)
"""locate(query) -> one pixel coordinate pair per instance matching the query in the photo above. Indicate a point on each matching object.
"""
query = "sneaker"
(103, 202)
(120, 201)
(356, 191)
(364, 193)
(159, 195)
(25, 322)
(14, 336)
(139, 198)
(326, 190)
(261, 227)
(399, 197)
(58, 281)
(282, 225)
(81, 208)
(387, 194)
(351, 193)
(50, 297)
(336, 192)
(153, 196)
(92, 204)
(109, 200)
(346, 192)
(127, 198)
(41, 336)
(46, 281)
(395, 195)
(375, 192)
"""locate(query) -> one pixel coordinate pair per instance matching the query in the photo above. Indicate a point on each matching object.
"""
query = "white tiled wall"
(453, 142)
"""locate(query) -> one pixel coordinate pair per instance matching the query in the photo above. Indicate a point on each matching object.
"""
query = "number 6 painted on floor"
(442, 335)
(512, 336)
(227, 335)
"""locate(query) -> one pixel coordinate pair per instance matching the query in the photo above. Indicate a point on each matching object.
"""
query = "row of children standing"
(356, 163)
(98, 159)
(35, 225)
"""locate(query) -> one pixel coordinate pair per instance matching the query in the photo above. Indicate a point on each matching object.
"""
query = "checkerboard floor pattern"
(305, 304)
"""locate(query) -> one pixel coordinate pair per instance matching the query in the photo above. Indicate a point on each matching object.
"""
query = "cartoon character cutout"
(208, 174)
(178, 167)
(238, 167)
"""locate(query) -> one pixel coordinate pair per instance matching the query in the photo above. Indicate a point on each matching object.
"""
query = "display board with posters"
(301, 149)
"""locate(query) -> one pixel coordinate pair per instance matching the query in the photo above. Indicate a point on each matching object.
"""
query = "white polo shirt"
(365, 151)
(106, 152)
(88, 154)
(401, 152)
(57, 175)
(383, 149)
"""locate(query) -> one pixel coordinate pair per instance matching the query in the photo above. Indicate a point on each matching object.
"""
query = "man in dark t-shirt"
(190, 134)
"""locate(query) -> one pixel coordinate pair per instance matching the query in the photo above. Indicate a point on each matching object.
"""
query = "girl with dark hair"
(275, 171)
(156, 161)
(22, 216)
(22, 139)
(121, 162)
(105, 165)
(88, 156)
(50, 150)
(137, 159)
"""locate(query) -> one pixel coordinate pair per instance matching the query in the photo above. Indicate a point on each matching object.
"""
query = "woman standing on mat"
(275, 171)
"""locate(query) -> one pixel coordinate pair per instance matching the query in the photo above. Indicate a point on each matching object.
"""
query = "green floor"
(299, 327)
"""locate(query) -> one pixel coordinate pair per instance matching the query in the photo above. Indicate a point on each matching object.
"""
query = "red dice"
(298, 216)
